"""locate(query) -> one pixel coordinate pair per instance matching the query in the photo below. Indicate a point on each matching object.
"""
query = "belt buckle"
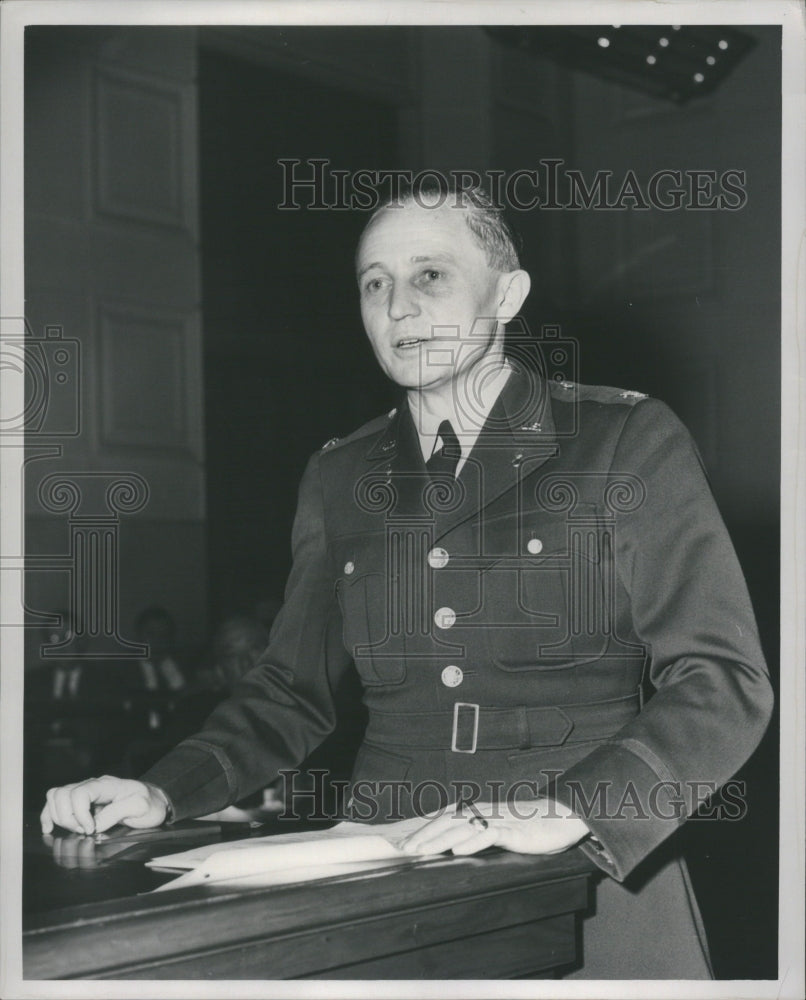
(465, 704)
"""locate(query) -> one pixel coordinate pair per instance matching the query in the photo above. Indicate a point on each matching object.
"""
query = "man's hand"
(534, 826)
(123, 800)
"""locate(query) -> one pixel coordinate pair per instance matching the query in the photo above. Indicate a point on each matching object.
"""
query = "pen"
(478, 819)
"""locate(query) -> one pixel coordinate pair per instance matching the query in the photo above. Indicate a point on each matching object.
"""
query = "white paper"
(293, 857)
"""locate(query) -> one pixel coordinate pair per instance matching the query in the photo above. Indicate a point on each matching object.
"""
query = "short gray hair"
(484, 219)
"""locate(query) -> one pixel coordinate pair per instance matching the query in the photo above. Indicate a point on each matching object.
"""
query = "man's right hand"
(121, 800)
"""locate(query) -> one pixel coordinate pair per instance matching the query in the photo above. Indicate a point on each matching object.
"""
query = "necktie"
(444, 461)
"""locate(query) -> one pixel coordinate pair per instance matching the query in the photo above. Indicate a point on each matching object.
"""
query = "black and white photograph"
(402, 537)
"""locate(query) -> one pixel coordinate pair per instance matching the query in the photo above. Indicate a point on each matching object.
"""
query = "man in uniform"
(536, 588)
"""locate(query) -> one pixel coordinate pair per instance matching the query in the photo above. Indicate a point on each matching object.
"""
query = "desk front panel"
(493, 916)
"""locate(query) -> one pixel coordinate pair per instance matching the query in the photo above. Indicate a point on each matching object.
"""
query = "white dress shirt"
(467, 424)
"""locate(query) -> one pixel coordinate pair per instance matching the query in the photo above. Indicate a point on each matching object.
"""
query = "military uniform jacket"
(568, 612)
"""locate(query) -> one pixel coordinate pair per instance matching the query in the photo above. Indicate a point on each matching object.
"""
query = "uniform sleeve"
(690, 606)
(283, 708)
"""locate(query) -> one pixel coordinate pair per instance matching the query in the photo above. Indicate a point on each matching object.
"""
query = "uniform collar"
(517, 438)
(520, 422)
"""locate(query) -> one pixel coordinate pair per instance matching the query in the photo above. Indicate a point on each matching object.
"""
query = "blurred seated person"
(158, 670)
(151, 685)
(236, 647)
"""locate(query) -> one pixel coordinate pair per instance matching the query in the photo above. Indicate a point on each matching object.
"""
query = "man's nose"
(402, 302)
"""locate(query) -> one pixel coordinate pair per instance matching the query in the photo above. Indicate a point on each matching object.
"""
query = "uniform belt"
(470, 727)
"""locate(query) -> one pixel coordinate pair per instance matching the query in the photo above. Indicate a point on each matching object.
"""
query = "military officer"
(538, 593)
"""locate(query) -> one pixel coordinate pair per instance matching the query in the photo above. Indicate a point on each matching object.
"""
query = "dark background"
(683, 305)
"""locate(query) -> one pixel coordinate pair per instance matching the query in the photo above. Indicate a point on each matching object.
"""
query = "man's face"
(428, 296)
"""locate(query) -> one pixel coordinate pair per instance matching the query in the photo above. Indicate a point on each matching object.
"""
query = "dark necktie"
(444, 461)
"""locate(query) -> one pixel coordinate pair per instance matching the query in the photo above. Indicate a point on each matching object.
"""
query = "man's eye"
(431, 274)
(373, 285)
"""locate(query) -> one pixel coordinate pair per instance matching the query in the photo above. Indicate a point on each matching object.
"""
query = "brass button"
(438, 557)
(534, 546)
(445, 618)
(452, 676)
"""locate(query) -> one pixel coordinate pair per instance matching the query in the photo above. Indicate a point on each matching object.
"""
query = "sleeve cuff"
(628, 807)
(193, 780)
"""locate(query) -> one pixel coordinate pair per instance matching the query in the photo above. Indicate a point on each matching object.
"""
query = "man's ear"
(513, 287)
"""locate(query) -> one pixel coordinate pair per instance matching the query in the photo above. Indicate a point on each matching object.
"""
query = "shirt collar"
(467, 419)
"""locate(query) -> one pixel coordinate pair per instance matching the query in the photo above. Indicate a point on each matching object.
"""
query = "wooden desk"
(495, 916)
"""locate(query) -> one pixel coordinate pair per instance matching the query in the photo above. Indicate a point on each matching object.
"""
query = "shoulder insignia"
(377, 427)
(568, 391)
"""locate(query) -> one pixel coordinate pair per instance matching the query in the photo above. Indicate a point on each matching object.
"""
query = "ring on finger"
(478, 821)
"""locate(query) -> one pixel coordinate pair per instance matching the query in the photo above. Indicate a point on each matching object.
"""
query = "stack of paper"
(344, 849)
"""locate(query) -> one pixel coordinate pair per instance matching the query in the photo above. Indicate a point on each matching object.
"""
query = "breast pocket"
(545, 603)
(371, 632)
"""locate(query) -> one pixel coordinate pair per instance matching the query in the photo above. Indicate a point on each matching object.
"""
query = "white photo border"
(14, 16)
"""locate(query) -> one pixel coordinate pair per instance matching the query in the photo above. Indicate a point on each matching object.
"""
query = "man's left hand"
(534, 826)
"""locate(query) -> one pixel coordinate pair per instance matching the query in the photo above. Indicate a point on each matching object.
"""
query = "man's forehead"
(397, 229)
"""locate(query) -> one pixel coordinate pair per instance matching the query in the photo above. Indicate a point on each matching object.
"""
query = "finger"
(45, 820)
(83, 795)
(107, 787)
(442, 820)
(445, 836)
(421, 831)
(61, 809)
(50, 802)
(433, 830)
(81, 798)
(123, 810)
(480, 841)
(427, 819)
